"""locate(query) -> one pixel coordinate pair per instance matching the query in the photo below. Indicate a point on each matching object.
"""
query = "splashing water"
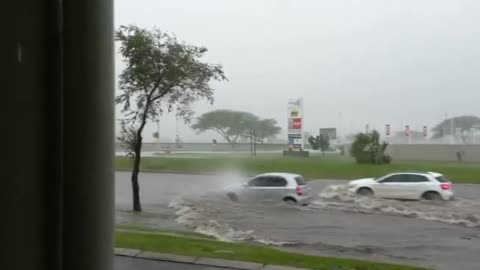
(194, 215)
(461, 211)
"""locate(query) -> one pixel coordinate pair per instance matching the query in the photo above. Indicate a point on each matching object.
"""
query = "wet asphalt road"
(440, 235)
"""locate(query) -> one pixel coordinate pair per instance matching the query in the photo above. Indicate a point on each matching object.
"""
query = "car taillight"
(446, 186)
(299, 191)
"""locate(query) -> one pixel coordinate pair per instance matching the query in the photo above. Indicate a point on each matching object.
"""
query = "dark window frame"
(425, 179)
(256, 179)
(391, 176)
(442, 179)
(300, 181)
(277, 179)
(266, 181)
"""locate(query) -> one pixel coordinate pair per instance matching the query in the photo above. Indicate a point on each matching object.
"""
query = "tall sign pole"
(295, 125)
(302, 116)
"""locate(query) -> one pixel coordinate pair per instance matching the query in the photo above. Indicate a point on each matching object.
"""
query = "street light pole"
(157, 139)
(254, 144)
(452, 131)
(251, 143)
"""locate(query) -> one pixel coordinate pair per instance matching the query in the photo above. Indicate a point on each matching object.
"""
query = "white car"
(286, 187)
(406, 185)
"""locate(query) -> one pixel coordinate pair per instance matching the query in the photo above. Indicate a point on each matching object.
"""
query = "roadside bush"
(314, 142)
(366, 148)
(321, 142)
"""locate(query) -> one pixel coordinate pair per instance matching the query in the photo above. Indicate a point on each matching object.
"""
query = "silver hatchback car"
(287, 187)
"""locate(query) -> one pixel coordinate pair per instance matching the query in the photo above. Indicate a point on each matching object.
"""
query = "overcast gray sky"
(353, 62)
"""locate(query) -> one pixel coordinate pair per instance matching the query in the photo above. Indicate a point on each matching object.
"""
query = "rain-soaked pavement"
(442, 235)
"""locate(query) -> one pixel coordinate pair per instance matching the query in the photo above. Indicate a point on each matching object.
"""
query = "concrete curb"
(230, 264)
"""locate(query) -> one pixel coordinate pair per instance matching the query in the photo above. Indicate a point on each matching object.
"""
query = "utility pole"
(452, 130)
(254, 144)
(444, 128)
(251, 143)
(340, 125)
(157, 133)
(177, 136)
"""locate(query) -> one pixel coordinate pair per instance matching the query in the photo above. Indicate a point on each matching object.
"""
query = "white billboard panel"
(295, 124)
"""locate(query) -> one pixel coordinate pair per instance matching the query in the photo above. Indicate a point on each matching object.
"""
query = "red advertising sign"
(297, 123)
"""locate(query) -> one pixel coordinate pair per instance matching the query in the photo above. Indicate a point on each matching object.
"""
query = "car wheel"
(432, 196)
(289, 200)
(232, 196)
(365, 192)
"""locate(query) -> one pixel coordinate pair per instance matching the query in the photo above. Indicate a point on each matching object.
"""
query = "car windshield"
(300, 181)
(442, 179)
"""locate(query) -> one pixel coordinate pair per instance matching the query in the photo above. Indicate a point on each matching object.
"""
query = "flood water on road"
(445, 235)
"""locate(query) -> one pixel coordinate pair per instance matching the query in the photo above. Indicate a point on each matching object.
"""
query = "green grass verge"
(328, 167)
(142, 229)
(242, 252)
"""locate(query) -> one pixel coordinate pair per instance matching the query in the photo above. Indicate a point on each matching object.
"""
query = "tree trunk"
(137, 207)
(251, 146)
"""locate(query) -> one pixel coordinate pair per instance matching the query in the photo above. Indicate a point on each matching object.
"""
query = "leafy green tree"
(367, 148)
(231, 125)
(128, 139)
(359, 148)
(235, 125)
(323, 143)
(161, 74)
(261, 129)
(464, 123)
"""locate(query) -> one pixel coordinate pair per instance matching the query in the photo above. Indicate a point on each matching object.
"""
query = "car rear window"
(442, 179)
(300, 181)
